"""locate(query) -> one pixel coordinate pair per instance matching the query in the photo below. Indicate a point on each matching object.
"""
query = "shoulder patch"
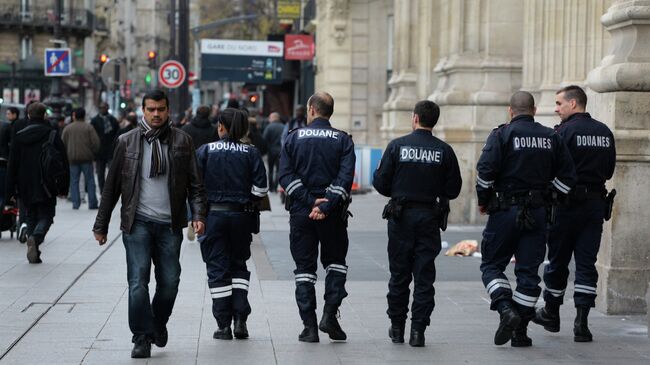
(500, 126)
(293, 130)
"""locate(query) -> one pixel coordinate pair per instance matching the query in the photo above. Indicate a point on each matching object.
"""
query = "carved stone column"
(396, 119)
(621, 91)
(334, 57)
(479, 68)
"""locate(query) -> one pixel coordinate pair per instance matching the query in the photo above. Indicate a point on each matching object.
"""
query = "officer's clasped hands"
(316, 213)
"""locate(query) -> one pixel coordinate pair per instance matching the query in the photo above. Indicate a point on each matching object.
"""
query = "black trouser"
(225, 248)
(577, 231)
(502, 238)
(413, 245)
(273, 159)
(304, 238)
(102, 167)
(39, 219)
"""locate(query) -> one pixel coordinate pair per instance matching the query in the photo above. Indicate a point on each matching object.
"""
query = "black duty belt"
(419, 205)
(582, 192)
(227, 207)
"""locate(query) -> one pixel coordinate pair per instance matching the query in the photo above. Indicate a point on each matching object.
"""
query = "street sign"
(289, 9)
(113, 72)
(171, 74)
(298, 47)
(255, 62)
(58, 62)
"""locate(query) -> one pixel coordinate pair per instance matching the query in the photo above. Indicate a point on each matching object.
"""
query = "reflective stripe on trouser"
(304, 238)
(577, 232)
(501, 240)
(413, 245)
(225, 249)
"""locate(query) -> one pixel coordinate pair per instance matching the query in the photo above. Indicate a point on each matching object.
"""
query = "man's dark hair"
(522, 102)
(203, 112)
(36, 111)
(13, 110)
(79, 113)
(323, 103)
(236, 123)
(428, 112)
(574, 92)
(156, 95)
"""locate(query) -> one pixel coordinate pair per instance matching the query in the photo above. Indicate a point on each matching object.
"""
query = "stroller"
(8, 220)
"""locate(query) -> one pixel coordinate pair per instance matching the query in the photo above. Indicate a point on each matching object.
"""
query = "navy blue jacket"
(523, 155)
(317, 161)
(233, 172)
(591, 144)
(418, 167)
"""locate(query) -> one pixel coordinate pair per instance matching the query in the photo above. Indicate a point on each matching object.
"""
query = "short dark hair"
(79, 113)
(203, 111)
(428, 112)
(522, 102)
(323, 103)
(14, 110)
(36, 111)
(156, 95)
(574, 92)
(236, 123)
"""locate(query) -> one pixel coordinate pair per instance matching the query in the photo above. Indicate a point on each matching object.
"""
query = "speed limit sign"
(171, 74)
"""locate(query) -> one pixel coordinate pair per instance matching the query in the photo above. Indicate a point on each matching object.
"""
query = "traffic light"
(147, 79)
(151, 56)
(102, 59)
(253, 98)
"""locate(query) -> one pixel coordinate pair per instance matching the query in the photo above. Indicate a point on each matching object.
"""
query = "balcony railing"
(44, 16)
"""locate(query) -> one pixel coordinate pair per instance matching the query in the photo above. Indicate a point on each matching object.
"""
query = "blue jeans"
(147, 242)
(75, 172)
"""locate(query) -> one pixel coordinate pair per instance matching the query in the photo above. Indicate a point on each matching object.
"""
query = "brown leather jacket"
(124, 179)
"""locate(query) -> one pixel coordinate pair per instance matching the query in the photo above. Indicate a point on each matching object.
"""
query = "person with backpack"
(38, 171)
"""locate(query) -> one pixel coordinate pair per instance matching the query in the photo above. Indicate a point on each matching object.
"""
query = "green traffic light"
(147, 78)
(122, 105)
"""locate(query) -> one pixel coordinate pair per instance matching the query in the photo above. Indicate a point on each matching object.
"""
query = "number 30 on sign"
(171, 74)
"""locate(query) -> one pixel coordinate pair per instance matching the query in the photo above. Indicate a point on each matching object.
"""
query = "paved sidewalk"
(72, 309)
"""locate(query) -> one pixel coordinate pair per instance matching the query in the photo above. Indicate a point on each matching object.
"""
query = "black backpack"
(55, 175)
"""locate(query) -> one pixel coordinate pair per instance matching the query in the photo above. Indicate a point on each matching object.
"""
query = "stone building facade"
(378, 57)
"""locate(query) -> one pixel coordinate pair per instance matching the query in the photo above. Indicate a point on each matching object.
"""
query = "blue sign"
(58, 62)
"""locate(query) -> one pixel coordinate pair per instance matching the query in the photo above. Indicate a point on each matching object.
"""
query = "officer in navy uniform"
(234, 177)
(579, 224)
(420, 174)
(316, 171)
(522, 164)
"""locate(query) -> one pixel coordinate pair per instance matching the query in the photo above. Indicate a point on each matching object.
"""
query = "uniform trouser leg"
(333, 235)
(561, 243)
(240, 252)
(426, 249)
(497, 247)
(586, 251)
(303, 239)
(401, 241)
(529, 255)
(214, 249)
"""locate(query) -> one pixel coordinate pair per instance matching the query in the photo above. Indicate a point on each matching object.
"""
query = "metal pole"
(54, 100)
(173, 94)
(184, 53)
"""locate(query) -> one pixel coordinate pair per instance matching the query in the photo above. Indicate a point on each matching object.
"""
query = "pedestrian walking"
(200, 128)
(107, 127)
(38, 171)
(316, 171)
(420, 173)
(298, 121)
(130, 122)
(6, 131)
(234, 177)
(154, 172)
(518, 163)
(273, 135)
(578, 222)
(81, 143)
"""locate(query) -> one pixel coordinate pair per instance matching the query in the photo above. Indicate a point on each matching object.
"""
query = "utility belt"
(439, 209)
(582, 193)
(250, 208)
(524, 201)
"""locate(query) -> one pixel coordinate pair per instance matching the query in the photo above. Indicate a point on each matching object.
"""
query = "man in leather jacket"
(154, 170)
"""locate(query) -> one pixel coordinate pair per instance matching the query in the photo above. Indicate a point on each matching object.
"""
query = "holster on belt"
(442, 212)
(609, 199)
(344, 212)
(254, 215)
(393, 209)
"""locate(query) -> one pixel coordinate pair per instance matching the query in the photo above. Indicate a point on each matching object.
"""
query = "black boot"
(240, 330)
(417, 337)
(548, 317)
(223, 334)
(509, 320)
(141, 347)
(309, 334)
(396, 332)
(580, 326)
(160, 336)
(330, 325)
(520, 336)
